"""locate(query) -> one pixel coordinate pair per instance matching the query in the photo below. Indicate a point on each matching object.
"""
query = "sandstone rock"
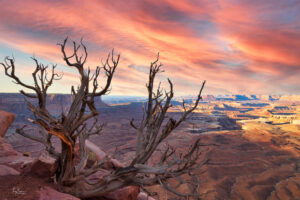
(98, 175)
(6, 119)
(126, 193)
(287, 188)
(6, 149)
(96, 153)
(47, 193)
(144, 196)
(18, 161)
(260, 187)
(100, 155)
(5, 171)
(208, 98)
(290, 98)
(10, 157)
(44, 166)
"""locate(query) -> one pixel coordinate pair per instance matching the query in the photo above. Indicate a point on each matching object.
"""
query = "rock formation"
(208, 98)
(243, 164)
(29, 177)
(14, 103)
(48, 193)
(290, 98)
(6, 119)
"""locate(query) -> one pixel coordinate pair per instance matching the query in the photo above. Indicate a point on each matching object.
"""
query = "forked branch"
(73, 126)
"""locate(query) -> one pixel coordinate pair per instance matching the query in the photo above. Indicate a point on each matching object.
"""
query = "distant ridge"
(15, 103)
(290, 98)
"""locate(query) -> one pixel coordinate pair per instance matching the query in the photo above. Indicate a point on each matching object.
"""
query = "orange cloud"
(237, 46)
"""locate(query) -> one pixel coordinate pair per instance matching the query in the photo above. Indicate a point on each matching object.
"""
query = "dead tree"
(72, 126)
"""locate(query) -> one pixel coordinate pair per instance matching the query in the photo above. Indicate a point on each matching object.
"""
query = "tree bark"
(66, 169)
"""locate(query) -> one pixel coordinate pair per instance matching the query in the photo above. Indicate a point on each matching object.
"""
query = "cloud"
(237, 46)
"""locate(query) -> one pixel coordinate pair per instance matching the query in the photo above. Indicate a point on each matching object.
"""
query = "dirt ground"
(21, 187)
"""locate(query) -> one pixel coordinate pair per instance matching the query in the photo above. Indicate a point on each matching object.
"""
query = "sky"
(237, 46)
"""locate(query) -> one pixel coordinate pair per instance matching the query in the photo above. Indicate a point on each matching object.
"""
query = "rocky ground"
(244, 165)
(16, 176)
(253, 164)
(29, 178)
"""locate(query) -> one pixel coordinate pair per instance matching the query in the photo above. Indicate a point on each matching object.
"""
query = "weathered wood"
(72, 126)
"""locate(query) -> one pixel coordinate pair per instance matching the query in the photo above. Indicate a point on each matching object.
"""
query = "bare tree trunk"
(66, 164)
(73, 126)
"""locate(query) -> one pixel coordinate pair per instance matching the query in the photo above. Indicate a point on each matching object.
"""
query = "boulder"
(44, 166)
(10, 157)
(6, 119)
(144, 196)
(100, 155)
(5, 171)
(125, 193)
(6, 149)
(47, 193)
(17, 161)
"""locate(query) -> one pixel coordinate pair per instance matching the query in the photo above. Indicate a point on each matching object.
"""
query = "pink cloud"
(237, 46)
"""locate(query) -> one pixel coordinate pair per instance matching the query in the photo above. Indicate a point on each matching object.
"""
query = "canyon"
(252, 142)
